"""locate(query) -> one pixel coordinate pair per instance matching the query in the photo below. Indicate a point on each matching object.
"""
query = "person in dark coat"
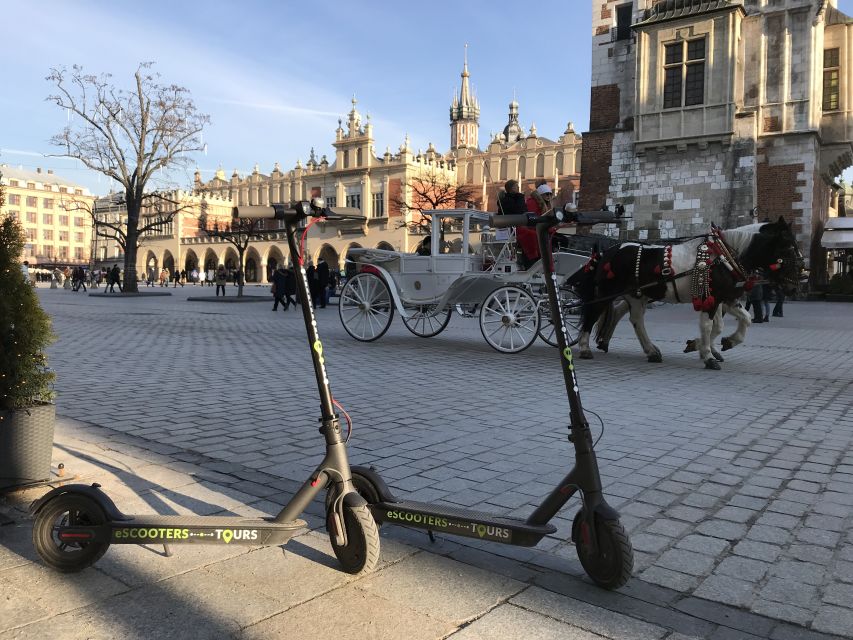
(279, 286)
(313, 283)
(511, 200)
(322, 283)
(289, 287)
(115, 279)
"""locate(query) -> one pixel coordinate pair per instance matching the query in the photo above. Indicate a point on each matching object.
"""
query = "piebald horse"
(708, 271)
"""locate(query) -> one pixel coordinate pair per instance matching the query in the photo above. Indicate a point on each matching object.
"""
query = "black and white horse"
(709, 271)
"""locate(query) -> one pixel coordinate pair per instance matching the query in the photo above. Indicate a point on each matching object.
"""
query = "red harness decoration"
(701, 287)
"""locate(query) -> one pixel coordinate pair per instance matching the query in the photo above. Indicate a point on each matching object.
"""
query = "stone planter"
(26, 445)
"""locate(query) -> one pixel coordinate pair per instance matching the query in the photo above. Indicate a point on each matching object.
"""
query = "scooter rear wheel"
(611, 565)
(361, 552)
(68, 510)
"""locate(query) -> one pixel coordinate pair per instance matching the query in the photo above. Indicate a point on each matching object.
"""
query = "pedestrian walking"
(313, 283)
(221, 280)
(322, 282)
(211, 276)
(115, 279)
(780, 300)
(290, 288)
(278, 288)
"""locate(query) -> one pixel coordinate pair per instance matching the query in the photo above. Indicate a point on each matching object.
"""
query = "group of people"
(322, 282)
(759, 298)
(512, 202)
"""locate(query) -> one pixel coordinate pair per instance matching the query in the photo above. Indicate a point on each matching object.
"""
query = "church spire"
(464, 113)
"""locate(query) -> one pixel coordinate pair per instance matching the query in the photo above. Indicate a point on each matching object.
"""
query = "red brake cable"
(302, 240)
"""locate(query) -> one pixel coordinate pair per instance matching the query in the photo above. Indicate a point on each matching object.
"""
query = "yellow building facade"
(57, 233)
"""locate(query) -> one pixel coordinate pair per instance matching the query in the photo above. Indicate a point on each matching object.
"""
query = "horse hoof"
(691, 346)
(602, 346)
(655, 357)
(718, 357)
(710, 363)
(727, 344)
(585, 354)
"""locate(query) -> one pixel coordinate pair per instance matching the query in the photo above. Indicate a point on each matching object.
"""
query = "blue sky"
(274, 77)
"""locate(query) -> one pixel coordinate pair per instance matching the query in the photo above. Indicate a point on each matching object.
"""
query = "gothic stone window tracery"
(684, 73)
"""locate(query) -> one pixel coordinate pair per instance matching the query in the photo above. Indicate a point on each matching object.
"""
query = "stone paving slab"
(756, 457)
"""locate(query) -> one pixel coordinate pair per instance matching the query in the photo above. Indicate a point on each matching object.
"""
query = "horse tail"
(604, 321)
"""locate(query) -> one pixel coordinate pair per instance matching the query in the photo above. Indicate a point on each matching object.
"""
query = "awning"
(838, 234)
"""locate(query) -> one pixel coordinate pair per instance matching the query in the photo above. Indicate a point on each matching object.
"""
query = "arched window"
(522, 167)
(578, 161)
(346, 159)
(503, 169)
(540, 165)
(359, 160)
(469, 173)
(559, 162)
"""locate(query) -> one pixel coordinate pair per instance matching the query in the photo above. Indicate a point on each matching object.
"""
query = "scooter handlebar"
(275, 211)
(343, 213)
(524, 220)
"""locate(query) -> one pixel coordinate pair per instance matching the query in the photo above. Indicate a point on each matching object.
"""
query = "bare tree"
(157, 212)
(430, 191)
(128, 136)
(239, 232)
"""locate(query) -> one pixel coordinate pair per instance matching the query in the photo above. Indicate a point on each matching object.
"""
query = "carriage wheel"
(426, 320)
(571, 306)
(509, 319)
(366, 307)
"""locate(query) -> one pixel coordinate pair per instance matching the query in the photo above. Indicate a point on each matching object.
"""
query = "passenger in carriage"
(539, 203)
(510, 200)
(425, 247)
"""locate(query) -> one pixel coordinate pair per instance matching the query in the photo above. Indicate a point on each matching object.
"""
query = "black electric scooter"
(75, 524)
(602, 544)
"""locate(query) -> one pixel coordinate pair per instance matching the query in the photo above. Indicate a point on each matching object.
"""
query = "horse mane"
(740, 237)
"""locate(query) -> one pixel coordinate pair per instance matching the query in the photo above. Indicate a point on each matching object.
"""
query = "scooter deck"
(461, 522)
(144, 529)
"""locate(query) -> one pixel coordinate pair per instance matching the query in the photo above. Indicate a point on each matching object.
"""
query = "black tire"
(426, 322)
(612, 565)
(361, 553)
(68, 509)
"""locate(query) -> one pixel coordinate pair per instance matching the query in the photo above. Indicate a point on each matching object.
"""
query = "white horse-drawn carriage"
(475, 274)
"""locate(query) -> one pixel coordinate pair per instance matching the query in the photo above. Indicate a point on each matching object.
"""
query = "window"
(79, 222)
(63, 190)
(78, 192)
(47, 218)
(359, 160)
(78, 253)
(14, 198)
(32, 216)
(47, 187)
(47, 234)
(354, 200)
(623, 21)
(47, 203)
(684, 74)
(13, 183)
(331, 201)
(63, 221)
(522, 167)
(48, 251)
(559, 163)
(503, 169)
(63, 236)
(830, 79)
(32, 201)
(78, 237)
(379, 205)
(346, 159)
(31, 185)
(63, 252)
(540, 165)
(31, 234)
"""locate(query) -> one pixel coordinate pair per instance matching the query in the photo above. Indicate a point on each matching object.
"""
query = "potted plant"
(27, 414)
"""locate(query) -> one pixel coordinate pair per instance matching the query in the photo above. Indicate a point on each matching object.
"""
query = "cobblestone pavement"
(736, 486)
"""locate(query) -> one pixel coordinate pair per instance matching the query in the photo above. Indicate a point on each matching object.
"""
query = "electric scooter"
(75, 524)
(602, 544)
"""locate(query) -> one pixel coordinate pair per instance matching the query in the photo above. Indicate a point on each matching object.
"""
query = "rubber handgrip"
(518, 220)
(253, 211)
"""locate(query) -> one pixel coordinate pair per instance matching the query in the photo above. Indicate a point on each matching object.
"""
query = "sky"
(275, 77)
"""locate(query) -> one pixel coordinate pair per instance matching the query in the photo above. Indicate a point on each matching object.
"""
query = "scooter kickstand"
(167, 550)
(431, 536)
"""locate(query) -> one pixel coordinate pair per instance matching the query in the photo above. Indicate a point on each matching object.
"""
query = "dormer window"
(684, 74)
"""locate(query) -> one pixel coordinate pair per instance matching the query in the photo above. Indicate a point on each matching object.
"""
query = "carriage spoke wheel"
(426, 320)
(366, 308)
(509, 319)
(571, 306)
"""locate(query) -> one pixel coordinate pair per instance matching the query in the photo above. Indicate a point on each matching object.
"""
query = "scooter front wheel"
(611, 564)
(68, 552)
(360, 554)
